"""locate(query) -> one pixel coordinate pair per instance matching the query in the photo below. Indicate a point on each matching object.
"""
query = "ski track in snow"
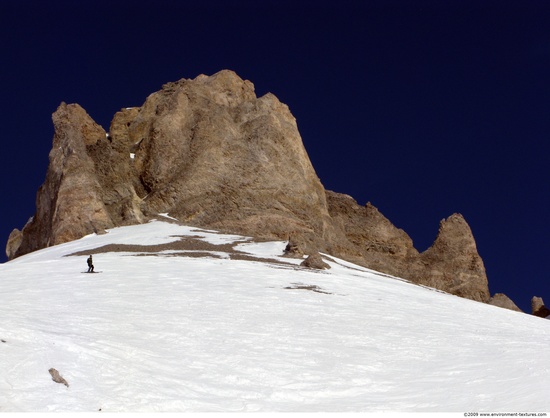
(209, 334)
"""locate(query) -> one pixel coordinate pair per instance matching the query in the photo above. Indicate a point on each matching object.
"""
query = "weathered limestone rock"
(14, 242)
(538, 308)
(314, 261)
(212, 154)
(89, 185)
(503, 301)
(370, 238)
(293, 249)
(453, 264)
(57, 378)
(69, 204)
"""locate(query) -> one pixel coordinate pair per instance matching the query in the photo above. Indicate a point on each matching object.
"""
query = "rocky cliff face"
(451, 264)
(88, 186)
(212, 154)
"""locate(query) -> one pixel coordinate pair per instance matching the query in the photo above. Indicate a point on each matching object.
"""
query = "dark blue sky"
(423, 108)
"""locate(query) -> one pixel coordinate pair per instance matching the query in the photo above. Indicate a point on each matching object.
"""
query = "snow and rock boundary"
(187, 334)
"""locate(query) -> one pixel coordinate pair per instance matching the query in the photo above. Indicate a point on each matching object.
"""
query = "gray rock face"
(212, 154)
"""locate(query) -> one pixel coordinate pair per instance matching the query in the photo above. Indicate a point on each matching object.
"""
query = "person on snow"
(90, 265)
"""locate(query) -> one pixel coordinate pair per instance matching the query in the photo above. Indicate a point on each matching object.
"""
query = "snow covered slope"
(207, 323)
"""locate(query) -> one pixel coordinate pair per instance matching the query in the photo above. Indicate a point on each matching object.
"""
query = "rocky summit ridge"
(212, 154)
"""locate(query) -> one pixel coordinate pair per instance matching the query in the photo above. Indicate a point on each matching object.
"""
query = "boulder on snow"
(57, 378)
(314, 261)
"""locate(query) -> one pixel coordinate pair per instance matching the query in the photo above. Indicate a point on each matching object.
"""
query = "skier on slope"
(90, 265)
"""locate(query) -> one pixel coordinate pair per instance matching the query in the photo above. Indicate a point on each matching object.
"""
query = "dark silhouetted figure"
(90, 265)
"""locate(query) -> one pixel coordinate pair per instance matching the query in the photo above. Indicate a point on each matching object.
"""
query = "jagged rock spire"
(453, 259)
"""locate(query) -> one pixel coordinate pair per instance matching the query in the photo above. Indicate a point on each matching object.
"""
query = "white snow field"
(181, 331)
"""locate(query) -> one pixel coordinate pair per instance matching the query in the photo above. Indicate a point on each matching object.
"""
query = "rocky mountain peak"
(69, 204)
(453, 259)
(454, 232)
(212, 154)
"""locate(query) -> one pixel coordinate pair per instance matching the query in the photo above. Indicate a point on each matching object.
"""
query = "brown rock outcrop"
(538, 308)
(212, 154)
(315, 261)
(57, 378)
(369, 237)
(14, 242)
(69, 204)
(293, 249)
(503, 301)
(453, 264)
(88, 185)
